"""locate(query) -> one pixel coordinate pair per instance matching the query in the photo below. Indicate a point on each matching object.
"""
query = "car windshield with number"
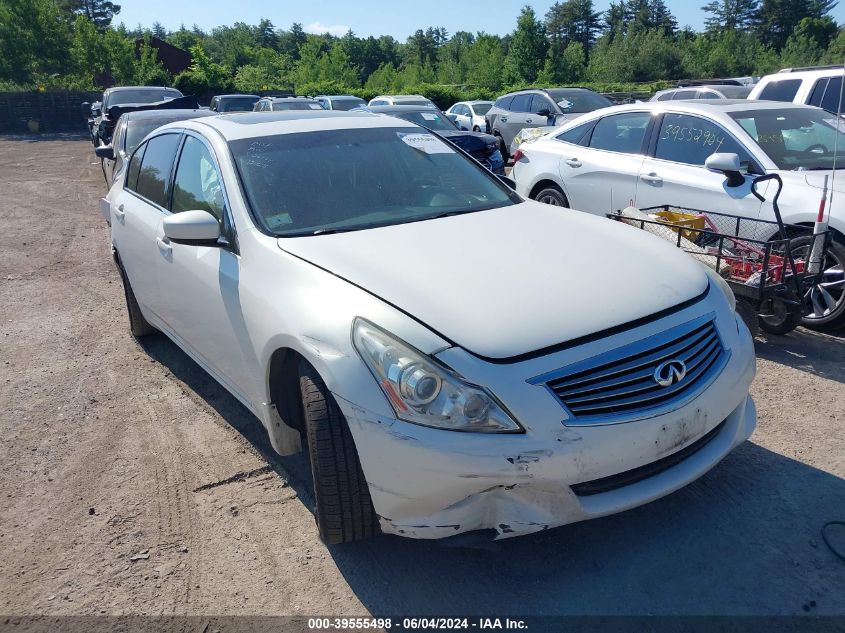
(796, 139)
(313, 183)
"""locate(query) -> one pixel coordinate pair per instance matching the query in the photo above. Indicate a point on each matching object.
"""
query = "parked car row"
(454, 356)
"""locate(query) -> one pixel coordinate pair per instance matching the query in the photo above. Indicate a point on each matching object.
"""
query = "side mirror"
(104, 151)
(96, 110)
(85, 106)
(510, 183)
(727, 164)
(544, 112)
(192, 227)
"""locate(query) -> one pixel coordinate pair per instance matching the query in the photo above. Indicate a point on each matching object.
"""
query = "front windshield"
(481, 108)
(238, 104)
(344, 180)
(347, 104)
(141, 95)
(432, 120)
(795, 138)
(579, 101)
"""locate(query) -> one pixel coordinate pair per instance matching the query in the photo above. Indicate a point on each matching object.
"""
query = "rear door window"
(135, 168)
(504, 102)
(621, 132)
(154, 178)
(197, 185)
(539, 102)
(780, 90)
(521, 103)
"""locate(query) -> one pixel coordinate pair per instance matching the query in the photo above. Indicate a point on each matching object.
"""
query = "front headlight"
(422, 391)
(722, 285)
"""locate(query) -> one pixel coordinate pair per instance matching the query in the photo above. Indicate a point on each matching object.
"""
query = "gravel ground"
(131, 483)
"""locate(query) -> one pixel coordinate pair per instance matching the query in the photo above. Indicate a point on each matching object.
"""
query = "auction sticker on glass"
(427, 143)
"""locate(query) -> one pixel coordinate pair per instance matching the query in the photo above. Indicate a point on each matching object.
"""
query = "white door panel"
(599, 182)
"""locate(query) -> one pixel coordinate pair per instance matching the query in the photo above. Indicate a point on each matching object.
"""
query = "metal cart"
(766, 263)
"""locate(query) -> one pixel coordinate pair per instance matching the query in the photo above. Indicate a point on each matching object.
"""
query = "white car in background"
(818, 86)
(415, 100)
(651, 154)
(449, 361)
(469, 115)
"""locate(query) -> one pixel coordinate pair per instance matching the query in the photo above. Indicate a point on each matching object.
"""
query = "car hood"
(513, 280)
(470, 141)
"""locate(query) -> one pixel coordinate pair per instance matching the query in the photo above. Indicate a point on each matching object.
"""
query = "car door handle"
(163, 246)
(573, 162)
(503, 119)
(529, 120)
(652, 178)
(119, 213)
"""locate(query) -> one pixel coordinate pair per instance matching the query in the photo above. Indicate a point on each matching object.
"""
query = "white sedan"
(651, 154)
(449, 355)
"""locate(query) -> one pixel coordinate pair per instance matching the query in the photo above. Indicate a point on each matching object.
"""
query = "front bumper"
(430, 483)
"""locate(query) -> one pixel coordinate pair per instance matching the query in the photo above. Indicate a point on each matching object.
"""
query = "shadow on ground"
(817, 353)
(744, 539)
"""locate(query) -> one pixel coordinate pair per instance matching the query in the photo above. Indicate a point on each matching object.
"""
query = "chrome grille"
(622, 382)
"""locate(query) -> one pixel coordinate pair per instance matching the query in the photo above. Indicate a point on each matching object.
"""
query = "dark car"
(539, 107)
(482, 147)
(274, 104)
(131, 129)
(103, 121)
(233, 103)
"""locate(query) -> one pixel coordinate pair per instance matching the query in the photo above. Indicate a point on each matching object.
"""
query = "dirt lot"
(132, 483)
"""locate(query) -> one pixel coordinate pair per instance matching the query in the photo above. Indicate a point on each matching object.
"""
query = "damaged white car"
(455, 358)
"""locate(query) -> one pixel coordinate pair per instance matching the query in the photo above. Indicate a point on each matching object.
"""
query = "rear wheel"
(553, 196)
(824, 302)
(138, 325)
(777, 317)
(344, 509)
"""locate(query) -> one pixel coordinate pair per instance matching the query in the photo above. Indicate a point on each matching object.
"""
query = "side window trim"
(228, 233)
(656, 125)
(169, 182)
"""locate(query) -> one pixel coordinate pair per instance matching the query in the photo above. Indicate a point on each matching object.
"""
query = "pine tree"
(730, 14)
(777, 19)
(527, 48)
(100, 12)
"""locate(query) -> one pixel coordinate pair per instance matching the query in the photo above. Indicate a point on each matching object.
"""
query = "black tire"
(344, 510)
(502, 147)
(138, 325)
(780, 318)
(553, 196)
(825, 302)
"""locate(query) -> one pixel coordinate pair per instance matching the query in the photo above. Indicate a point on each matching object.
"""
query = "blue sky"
(398, 18)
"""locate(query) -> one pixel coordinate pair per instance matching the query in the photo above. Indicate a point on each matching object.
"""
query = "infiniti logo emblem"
(670, 372)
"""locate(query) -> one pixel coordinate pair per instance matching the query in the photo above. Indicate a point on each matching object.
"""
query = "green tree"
(485, 59)
(568, 68)
(778, 19)
(147, 69)
(730, 14)
(100, 12)
(34, 40)
(572, 21)
(527, 49)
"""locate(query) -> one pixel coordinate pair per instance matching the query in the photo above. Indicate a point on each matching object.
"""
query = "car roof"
(710, 106)
(257, 124)
(299, 98)
(401, 108)
(166, 114)
(401, 97)
(803, 74)
(236, 95)
(122, 88)
(339, 97)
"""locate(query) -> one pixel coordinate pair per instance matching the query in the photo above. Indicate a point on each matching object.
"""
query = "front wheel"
(552, 196)
(824, 303)
(344, 508)
(777, 317)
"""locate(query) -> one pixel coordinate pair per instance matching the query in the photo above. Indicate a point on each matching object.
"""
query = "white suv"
(448, 358)
(818, 86)
(415, 100)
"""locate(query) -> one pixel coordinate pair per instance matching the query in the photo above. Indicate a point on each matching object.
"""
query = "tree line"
(50, 44)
